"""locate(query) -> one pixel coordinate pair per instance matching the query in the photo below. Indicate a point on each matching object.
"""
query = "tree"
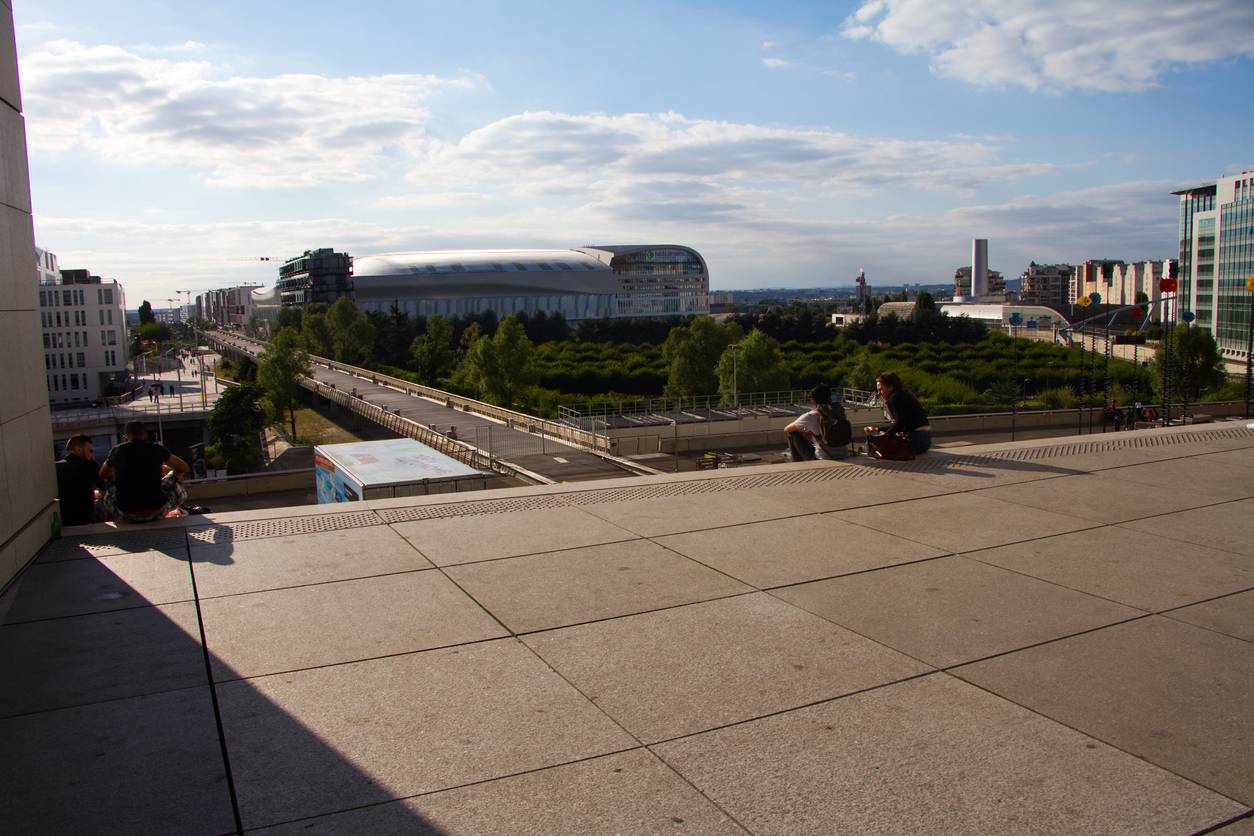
(282, 365)
(432, 352)
(759, 367)
(1195, 364)
(233, 425)
(316, 333)
(352, 334)
(288, 317)
(924, 302)
(502, 365)
(145, 313)
(692, 354)
(157, 332)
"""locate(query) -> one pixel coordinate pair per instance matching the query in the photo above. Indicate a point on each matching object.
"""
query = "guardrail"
(555, 430)
(461, 451)
(748, 401)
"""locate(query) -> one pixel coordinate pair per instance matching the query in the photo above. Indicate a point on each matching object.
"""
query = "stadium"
(580, 283)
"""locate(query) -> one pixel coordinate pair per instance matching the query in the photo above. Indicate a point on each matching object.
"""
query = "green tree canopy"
(146, 315)
(282, 365)
(432, 352)
(158, 332)
(1193, 361)
(289, 316)
(233, 425)
(502, 365)
(315, 332)
(924, 302)
(351, 333)
(692, 353)
(757, 365)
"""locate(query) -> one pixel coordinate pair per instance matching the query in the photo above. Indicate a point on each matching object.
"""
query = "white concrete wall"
(27, 483)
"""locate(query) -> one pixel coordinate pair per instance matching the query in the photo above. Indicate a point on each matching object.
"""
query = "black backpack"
(835, 426)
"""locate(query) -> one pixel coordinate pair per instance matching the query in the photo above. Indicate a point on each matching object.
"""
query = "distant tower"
(979, 267)
(864, 297)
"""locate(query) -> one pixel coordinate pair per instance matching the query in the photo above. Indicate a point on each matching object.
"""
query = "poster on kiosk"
(389, 468)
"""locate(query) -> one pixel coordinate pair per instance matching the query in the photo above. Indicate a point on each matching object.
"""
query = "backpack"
(836, 431)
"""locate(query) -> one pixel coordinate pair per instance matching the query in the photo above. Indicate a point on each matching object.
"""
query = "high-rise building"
(1045, 283)
(84, 336)
(1216, 257)
(28, 488)
(321, 275)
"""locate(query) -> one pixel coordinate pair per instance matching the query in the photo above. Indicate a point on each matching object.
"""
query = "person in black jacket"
(908, 417)
(77, 479)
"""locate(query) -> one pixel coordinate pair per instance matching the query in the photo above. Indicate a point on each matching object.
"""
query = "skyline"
(173, 146)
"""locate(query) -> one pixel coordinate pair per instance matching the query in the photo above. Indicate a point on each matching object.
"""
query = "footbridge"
(477, 433)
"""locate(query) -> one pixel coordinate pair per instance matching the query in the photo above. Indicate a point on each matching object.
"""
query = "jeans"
(920, 441)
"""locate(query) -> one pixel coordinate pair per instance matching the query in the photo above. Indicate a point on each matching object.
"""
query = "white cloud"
(284, 130)
(775, 63)
(1059, 44)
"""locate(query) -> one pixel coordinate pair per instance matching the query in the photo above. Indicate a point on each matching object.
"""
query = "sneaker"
(197, 509)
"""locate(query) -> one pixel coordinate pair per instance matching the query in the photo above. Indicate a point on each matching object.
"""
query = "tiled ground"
(1040, 637)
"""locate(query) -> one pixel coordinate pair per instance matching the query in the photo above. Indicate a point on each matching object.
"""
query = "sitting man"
(77, 476)
(818, 433)
(147, 478)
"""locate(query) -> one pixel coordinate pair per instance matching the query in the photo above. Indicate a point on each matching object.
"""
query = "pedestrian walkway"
(1040, 637)
(532, 452)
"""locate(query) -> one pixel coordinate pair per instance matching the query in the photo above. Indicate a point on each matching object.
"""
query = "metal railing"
(640, 410)
(469, 454)
(556, 430)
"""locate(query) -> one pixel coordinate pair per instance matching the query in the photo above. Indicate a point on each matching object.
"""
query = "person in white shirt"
(805, 435)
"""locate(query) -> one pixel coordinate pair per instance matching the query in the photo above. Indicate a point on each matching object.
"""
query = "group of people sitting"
(139, 481)
(825, 433)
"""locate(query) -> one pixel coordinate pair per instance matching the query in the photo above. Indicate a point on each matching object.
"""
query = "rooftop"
(1048, 636)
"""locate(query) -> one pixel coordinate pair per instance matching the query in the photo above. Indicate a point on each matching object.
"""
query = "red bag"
(891, 446)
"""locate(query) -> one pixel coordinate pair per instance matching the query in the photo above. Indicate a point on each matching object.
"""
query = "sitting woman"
(909, 433)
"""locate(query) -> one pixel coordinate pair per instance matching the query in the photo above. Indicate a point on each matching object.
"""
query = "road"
(537, 454)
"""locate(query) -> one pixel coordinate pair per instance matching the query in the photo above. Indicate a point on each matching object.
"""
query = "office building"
(315, 276)
(1216, 257)
(84, 336)
(28, 490)
(962, 284)
(229, 306)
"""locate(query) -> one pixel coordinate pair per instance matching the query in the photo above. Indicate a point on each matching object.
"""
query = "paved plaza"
(1043, 637)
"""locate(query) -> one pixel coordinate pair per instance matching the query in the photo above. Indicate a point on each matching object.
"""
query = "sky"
(173, 146)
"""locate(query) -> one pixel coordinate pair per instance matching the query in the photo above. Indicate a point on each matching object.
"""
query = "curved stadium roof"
(457, 272)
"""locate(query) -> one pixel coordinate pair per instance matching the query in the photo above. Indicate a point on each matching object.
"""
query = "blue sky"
(174, 144)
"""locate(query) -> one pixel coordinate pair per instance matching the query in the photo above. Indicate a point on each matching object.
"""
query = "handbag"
(891, 446)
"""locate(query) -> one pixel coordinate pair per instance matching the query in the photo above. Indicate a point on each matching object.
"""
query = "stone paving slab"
(679, 671)
(676, 514)
(1174, 694)
(343, 621)
(147, 764)
(1242, 458)
(1192, 475)
(446, 542)
(959, 522)
(277, 562)
(1117, 564)
(779, 552)
(953, 610)
(324, 740)
(65, 662)
(1099, 498)
(113, 582)
(1228, 527)
(874, 488)
(543, 591)
(629, 792)
(933, 755)
(1232, 615)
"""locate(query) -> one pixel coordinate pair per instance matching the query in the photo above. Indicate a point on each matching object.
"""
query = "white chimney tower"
(979, 267)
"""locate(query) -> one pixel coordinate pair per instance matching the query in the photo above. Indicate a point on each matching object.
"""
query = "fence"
(555, 430)
(472, 454)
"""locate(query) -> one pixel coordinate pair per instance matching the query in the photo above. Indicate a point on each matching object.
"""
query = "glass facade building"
(1216, 256)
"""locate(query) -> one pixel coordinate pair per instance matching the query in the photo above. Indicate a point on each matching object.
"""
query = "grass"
(325, 424)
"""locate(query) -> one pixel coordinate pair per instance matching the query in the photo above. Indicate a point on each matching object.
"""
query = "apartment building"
(84, 335)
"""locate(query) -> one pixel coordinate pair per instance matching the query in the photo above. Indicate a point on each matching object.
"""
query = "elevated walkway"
(1040, 636)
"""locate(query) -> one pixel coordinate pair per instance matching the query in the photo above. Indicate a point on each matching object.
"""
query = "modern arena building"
(580, 283)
